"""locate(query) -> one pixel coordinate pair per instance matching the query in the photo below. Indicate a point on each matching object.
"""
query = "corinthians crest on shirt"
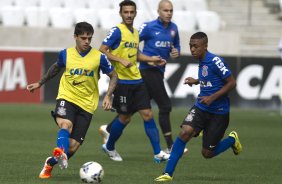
(189, 117)
(61, 111)
(205, 71)
(172, 33)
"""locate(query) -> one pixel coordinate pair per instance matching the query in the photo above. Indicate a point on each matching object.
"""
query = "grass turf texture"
(28, 135)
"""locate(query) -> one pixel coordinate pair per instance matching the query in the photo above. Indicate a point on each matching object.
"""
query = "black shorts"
(129, 98)
(154, 80)
(213, 126)
(80, 118)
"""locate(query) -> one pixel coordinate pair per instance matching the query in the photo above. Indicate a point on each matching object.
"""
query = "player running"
(160, 38)
(130, 96)
(211, 110)
(78, 94)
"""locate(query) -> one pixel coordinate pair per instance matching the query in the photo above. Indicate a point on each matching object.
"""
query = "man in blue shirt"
(211, 110)
(160, 38)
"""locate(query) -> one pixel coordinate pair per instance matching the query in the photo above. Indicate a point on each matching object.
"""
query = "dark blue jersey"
(113, 38)
(158, 40)
(212, 74)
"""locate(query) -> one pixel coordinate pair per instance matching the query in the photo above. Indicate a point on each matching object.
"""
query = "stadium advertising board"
(51, 87)
(17, 69)
(259, 81)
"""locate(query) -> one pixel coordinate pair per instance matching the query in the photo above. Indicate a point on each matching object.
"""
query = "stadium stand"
(12, 16)
(280, 12)
(251, 26)
(273, 5)
(140, 18)
(153, 5)
(208, 21)
(6, 3)
(178, 5)
(25, 3)
(50, 3)
(37, 17)
(74, 4)
(196, 5)
(61, 18)
(86, 14)
(257, 25)
(98, 4)
(185, 20)
(108, 18)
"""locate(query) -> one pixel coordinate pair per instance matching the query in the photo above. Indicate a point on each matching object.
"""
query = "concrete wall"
(45, 39)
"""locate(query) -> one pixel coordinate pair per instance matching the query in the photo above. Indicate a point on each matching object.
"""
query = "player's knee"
(186, 133)
(207, 153)
(147, 114)
(64, 124)
(125, 119)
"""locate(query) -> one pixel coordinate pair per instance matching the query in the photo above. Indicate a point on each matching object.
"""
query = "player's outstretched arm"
(107, 103)
(52, 72)
(105, 50)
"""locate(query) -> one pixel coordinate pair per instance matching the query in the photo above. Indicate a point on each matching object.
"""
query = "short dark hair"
(126, 3)
(83, 27)
(200, 35)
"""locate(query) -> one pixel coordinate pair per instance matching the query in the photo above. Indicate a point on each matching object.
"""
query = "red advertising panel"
(17, 69)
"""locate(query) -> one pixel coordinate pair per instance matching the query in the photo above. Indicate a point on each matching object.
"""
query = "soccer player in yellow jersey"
(78, 94)
(130, 96)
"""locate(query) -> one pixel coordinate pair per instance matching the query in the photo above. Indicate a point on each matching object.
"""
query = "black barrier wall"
(259, 81)
(51, 87)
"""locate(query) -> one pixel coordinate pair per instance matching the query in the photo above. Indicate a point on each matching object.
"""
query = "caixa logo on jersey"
(163, 44)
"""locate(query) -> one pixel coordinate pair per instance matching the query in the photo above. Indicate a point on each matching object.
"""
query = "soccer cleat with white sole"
(61, 157)
(114, 155)
(164, 177)
(162, 156)
(237, 147)
(46, 171)
(104, 133)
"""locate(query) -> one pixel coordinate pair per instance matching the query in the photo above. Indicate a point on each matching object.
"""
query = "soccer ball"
(91, 172)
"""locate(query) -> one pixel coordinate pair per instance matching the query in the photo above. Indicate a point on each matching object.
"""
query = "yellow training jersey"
(79, 82)
(127, 49)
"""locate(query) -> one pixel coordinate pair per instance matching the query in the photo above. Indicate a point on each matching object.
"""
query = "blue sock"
(153, 134)
(175, 155)
(224, 145)
(115, 133)
(63, 140)
(52, 161)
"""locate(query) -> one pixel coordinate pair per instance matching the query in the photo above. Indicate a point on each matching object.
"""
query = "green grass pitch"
(28, 135)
